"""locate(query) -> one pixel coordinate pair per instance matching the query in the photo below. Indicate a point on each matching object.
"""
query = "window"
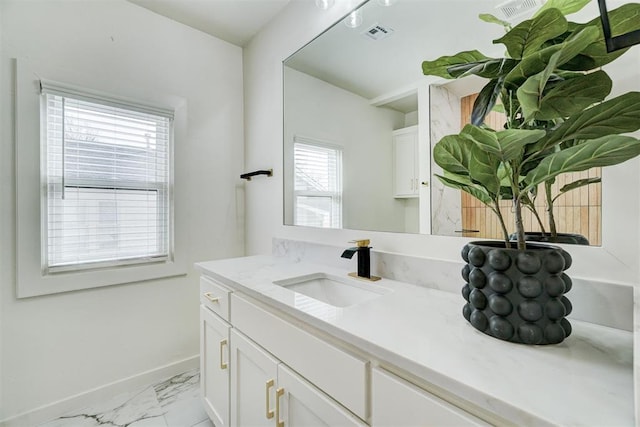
(317, 184)
(107, 173)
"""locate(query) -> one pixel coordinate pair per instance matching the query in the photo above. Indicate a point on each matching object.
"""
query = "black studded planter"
(517, 296)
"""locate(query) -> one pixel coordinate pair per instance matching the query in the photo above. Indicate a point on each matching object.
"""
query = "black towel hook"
(248, 176)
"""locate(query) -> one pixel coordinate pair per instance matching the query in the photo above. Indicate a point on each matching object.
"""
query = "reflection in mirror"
(360, 121)
(575, 212)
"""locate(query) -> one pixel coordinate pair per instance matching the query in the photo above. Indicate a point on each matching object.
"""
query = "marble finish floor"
(174, 402)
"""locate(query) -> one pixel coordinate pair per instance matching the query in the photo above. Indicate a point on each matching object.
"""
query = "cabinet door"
(253, 383)
(405, 147)
(214, 367)
(397, 403)
(300, 404)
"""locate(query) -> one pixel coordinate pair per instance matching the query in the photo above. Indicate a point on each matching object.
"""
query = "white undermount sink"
(333, 290)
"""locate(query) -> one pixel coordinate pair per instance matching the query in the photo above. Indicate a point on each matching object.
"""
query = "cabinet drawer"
(336, 372)
(396, 402)
(215, 297)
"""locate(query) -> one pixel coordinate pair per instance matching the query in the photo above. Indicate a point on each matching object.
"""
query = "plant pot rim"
(500, 244)
(559, 238)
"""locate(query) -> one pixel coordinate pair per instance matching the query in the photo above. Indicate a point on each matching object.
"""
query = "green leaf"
(439, 66)
(452, 153)
(483, 169)
(605, 151)
(577, 184)
(513, 141)
(614, 116)
(506, 145)
(530, 93)
(536, 62)
(489, 69)
(476, 191)
(528, 36)
(486, 100)
(487, 17)
(564, 98)
(567, 7)
(499, 108)
(574, 95)
(483, 138)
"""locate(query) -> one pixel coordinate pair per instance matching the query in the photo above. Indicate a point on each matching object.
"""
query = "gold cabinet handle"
(210, 297)
(279, 394)
(222, 364)
(270, 384)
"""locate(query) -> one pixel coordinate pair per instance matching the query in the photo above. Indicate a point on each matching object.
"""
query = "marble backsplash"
(606, 304)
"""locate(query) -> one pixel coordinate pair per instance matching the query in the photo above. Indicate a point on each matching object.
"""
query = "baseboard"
(105, 392)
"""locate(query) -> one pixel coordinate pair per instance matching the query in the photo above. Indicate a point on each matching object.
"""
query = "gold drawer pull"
(270, 384)
(210, 297)
(222, 364)
(279, 394)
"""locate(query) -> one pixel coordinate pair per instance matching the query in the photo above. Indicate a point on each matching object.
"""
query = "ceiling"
(346, 57)
(235, 21)
(382, 70)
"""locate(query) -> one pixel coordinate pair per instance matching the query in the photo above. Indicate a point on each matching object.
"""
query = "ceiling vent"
(519, 10)
(378, 32)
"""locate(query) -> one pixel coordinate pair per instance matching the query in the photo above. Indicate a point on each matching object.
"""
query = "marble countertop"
(586, 380)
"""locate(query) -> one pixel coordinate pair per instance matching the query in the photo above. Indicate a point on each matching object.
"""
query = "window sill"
(31, 285)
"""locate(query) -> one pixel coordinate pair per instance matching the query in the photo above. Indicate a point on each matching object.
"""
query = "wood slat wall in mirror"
(576, 211)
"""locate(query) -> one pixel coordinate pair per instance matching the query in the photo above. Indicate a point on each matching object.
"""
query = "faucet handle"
(361, 243)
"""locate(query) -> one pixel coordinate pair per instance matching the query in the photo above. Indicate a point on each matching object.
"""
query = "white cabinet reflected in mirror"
(360, 121)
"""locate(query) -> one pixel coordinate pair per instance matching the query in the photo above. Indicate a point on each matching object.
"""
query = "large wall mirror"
(360, 121)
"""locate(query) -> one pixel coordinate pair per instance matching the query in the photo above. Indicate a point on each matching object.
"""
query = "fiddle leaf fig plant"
(557, 120)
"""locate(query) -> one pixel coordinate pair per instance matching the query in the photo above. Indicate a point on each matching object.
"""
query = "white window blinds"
(317, 184)
(107, 173)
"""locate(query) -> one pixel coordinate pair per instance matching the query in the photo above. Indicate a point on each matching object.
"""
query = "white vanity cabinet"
(339, 374)
(406, 179)
(396, 402)
(265, 392)
(299, 403)
(253, 383)
(259, 367)
(214, 350)
(214, 369)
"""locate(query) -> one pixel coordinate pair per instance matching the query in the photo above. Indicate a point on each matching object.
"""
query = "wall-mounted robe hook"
(248, 176)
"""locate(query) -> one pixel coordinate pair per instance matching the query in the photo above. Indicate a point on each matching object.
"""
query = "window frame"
(66, 92)
(336, 196)
(31, 280)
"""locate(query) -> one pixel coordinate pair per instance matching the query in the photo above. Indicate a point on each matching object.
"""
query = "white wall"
(300, 22)
(321, 111)
(56, 346)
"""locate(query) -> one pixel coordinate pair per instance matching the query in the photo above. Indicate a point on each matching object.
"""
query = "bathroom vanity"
(286, 342)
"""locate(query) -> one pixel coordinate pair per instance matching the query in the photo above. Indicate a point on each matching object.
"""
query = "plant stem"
(522, 245)
(503, 226)
(552, 221)
(535, 213)
(517, 205)
(531, 206)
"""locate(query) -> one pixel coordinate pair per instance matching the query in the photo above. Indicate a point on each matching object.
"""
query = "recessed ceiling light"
(325, 4)
(354, 19)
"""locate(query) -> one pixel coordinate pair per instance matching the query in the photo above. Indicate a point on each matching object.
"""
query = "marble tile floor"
(174, 402)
